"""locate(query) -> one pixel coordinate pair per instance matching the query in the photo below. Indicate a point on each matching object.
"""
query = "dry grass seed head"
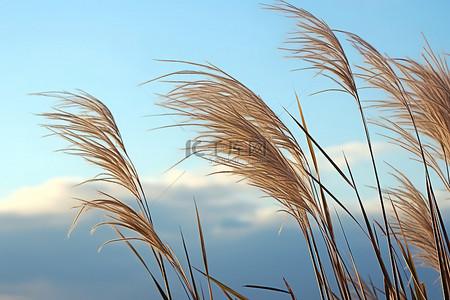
(421, 93)
(231, 118)
(415, 220)
(315, 42)
(88, 125)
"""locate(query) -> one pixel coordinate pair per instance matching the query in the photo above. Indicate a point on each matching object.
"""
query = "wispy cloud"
(356, 153)
(228, 208)
(49, 198)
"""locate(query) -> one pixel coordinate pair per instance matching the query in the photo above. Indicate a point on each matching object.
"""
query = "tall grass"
(416, 113)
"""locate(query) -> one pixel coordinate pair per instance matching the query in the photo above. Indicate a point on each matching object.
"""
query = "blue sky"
(107, 48)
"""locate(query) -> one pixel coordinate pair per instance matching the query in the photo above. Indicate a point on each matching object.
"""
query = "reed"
(416, 113)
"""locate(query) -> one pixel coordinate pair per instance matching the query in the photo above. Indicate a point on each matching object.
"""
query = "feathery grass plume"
(414, 219)
(406, 140)
(89, 126)
(430, 87)
(241, 132)
(315, 42)
(419, 101)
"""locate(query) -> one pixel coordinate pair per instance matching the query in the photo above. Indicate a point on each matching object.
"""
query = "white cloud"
(226, 207)
(51, 197)
(356, 153)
